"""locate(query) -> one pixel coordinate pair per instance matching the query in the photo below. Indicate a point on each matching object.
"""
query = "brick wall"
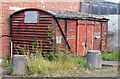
(6, 11)
(0, 28)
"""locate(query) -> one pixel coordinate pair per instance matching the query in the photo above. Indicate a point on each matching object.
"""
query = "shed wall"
(32, 36)
(85, 35)
(9, 7)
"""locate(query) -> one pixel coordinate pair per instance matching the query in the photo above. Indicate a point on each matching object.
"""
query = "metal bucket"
(94, 59)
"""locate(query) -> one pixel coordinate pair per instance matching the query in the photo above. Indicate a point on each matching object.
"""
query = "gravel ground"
(105, 71)
(0, 72)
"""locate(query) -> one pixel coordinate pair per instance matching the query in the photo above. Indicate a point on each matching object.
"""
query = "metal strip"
(85, 46)
(65, 31)
(106, 34)
(11, 43)
(54, 34)
(77, 37)
(66, 28)
(101, 38)
(93, 36)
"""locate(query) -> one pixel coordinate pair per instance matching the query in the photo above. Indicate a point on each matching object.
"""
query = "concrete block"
(19, 64)
(0, 61)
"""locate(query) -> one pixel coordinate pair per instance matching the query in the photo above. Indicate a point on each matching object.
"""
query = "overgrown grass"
(44, 66)
(5, 62)
(37, 64)
(52, 62)
(110, 57)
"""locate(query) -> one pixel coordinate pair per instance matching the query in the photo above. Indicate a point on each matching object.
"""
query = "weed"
(110, 57)
(16, 74)
(8, 63)
(10, 68)
(52, 62)
(44, 66)
(5, 62)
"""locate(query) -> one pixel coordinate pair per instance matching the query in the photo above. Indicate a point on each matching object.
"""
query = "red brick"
(4, 44)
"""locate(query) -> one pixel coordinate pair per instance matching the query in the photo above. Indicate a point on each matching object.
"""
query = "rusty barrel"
(19, 64)
(94, 59)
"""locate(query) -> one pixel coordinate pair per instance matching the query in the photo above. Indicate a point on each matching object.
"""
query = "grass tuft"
(110, 57)
(44, 66)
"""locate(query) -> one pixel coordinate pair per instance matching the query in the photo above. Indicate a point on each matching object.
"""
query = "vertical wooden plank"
(93, 35)
(71, 35)
(77, 37)
(106, 35)
(89, 36)
(101, 38)
(65, 33)
(97, 35)
(82, 34)
(54, 34)
(85, 37)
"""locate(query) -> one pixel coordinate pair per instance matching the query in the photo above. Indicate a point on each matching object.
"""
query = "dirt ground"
(105, 71)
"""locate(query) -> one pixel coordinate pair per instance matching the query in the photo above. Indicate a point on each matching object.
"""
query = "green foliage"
(50, 56)
(10, 68)
(44, 66)
(110, 57)
(16, 74)
(51, 61)
(5, 62)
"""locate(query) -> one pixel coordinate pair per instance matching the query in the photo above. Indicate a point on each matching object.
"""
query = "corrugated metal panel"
(100, 8)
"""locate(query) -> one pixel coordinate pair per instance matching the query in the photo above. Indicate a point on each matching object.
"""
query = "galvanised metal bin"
(94, 59)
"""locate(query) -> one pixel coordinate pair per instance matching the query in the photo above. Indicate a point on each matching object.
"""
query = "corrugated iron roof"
(75, 15)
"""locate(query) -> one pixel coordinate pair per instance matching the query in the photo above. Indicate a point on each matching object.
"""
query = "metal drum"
(94, 59)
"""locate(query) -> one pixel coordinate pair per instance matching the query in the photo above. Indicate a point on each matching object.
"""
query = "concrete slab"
(111, 63)
(4, 71)
(0, 72)
(0, 61)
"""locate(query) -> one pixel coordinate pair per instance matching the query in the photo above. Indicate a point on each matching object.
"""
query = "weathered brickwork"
(0, 28)
(6, 11)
